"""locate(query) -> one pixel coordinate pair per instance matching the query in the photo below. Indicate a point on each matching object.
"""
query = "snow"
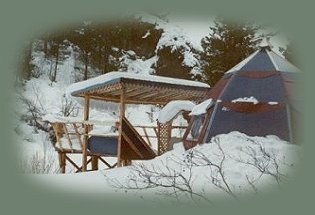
(98, 132)
(173, 108)
(202, 107)
(282, 64)
(114, 76)
(175, 37)
(139, 66)
(251, 99)
(265, 43)
(190, 59)
(273, 103)
(237, 148)
(146, 34)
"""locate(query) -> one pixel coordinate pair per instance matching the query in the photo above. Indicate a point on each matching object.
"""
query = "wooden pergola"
(124, 88)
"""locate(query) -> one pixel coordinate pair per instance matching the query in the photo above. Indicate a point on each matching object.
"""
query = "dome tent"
(256, 97)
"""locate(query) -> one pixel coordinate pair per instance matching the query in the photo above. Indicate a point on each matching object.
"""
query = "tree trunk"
(28, 61)
(56, 64)
(86, 65)
(45, 47)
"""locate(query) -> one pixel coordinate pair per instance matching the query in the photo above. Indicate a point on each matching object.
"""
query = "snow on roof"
(273, 103)
(202, 107)
(173, 108)
(265, 43)
(114, 77)
(282, 64)
(251, 99)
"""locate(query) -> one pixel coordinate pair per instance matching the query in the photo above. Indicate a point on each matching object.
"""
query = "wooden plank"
(144, 126)
(121, 116)
(57, 133)
(106, 163)
(146, 136)
(77, 134)
(67, 135)
(140, 91)
(128, 126)
(133, 90)
(131, 144)
(86, 131)
(74, 164)
(62, 162)
(156, 131)
(106, 89)
(128, 101)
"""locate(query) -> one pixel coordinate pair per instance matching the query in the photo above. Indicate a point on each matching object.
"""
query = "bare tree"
(38, 164)
(178, 182)
(34, 109)
(217, 174)
(69, 107)
(267, 163)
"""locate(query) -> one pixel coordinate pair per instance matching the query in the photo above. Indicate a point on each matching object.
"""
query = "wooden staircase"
(133, 146)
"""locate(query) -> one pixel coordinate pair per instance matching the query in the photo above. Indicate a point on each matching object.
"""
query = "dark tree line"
(100, 46)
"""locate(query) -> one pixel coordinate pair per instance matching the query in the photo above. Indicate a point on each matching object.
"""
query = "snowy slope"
(236, 147)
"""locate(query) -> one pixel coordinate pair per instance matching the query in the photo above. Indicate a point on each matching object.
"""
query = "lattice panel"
(164, 137)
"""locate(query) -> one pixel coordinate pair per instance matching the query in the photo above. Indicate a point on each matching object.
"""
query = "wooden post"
(94, 162)
(121, 116)
(86, 131)
(62, 162)
(159, 138)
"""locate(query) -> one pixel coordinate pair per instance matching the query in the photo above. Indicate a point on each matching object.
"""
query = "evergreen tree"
(170, 64)
(227, 44)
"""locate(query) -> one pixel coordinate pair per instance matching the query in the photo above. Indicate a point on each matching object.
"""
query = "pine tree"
(170, 64)
(227, 44)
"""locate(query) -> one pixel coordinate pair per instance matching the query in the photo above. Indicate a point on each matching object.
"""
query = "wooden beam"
(121, 116)
(73, 164)
(138, 92)
(94, 162)
(147, 136)
(77, 134)
(56, 128)
(67, 135)
(108, 88)
(86, 130)
(129, 101)
(62, 162)
(106, 163)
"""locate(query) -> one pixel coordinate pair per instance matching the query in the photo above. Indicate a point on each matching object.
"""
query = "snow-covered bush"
(38, 164)
(232, 165)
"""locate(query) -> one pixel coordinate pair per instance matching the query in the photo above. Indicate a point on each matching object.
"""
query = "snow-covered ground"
(249, 165)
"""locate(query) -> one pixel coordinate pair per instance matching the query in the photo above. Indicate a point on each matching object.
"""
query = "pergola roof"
(139, 89)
